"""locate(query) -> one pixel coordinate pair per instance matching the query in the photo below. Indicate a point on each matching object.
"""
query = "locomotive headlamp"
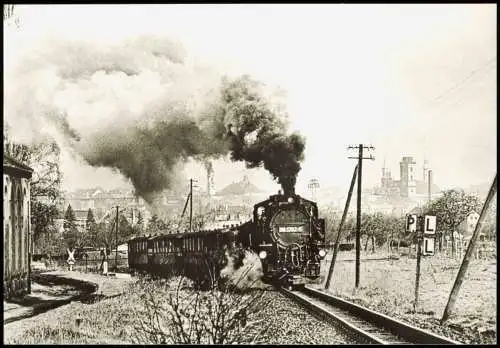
(290, 199)
(263, 254)
(322, 253)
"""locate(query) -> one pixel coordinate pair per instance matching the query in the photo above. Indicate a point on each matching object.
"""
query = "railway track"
(367, 325)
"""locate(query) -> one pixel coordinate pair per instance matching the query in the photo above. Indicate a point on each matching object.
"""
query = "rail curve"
(369, 326)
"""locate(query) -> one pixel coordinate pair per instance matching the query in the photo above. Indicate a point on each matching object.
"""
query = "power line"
(464, 80)
(461, 98)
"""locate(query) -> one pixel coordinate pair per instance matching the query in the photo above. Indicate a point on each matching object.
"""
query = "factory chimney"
(210, 178)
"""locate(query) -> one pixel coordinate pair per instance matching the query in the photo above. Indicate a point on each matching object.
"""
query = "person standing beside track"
(104, 263)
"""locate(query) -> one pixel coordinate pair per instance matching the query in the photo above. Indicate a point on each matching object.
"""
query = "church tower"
(425, 171)
(408, 183)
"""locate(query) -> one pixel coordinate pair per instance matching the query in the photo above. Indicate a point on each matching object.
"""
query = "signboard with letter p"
(411, 223)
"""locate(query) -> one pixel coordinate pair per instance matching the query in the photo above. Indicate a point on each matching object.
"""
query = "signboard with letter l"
(428, 246)
(430, 224)
(429, 234)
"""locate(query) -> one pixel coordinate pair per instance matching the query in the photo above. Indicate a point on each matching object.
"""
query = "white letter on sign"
(411, 223)
(430, 224)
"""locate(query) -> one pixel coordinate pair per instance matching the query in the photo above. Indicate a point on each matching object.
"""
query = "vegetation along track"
(368, 326)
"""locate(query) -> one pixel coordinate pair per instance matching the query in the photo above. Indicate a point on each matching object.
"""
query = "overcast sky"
(416, 80)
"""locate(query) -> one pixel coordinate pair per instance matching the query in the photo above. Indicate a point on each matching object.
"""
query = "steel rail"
(325, 313)
(360, 315)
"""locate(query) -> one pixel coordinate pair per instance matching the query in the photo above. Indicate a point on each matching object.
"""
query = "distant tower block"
(408, 182)
(386, 177)
(313, 185)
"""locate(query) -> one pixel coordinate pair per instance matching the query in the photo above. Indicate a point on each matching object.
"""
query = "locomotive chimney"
(287, 183)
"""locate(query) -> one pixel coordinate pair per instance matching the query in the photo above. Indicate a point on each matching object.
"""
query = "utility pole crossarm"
(370, 158)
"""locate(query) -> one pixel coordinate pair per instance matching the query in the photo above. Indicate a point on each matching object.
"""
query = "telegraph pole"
(116, 236)
(468, 253)
(191, 205)
(360, 159)
(337, 240)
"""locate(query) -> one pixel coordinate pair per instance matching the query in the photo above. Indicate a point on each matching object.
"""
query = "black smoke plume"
(256, 132)
(140, 109)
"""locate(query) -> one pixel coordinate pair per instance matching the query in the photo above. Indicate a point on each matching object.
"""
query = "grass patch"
(389, 287)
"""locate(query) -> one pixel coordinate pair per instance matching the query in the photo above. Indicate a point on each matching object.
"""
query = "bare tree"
(173, 313)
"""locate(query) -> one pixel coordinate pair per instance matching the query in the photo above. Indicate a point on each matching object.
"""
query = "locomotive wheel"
(287, 285)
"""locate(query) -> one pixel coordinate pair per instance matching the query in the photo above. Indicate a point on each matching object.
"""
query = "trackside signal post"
(425, 228)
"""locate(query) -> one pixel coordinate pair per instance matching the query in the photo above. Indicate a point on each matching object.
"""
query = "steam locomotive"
(285, 232)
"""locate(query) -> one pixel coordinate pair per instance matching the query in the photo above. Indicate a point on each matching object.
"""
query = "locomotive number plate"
(292, 229)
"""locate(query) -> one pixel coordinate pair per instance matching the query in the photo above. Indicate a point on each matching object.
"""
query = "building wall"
(16, 220)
